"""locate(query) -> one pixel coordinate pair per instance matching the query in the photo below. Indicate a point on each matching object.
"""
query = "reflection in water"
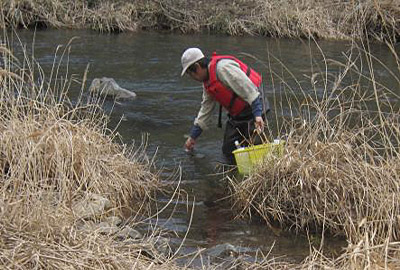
(166, 104)
(214, 220)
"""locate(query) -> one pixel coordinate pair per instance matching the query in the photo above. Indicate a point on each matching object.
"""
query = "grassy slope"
(288, 18)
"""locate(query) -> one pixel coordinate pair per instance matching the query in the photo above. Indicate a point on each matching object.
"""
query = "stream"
(166, 104)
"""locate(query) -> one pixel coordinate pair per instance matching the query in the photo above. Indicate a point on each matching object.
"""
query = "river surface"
(166, 104)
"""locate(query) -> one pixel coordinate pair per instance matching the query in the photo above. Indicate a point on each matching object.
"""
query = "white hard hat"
(189, 57)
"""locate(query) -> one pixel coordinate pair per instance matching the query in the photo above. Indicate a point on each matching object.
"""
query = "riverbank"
(379, 20)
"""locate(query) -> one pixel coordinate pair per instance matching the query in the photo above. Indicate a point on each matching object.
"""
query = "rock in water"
(108, 87)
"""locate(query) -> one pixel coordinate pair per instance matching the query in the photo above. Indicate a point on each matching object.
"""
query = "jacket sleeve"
(204, 116)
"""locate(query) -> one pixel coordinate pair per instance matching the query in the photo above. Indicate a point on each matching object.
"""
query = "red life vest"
(225, 96)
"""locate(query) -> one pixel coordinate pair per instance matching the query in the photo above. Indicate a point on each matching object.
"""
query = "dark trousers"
(241, 129)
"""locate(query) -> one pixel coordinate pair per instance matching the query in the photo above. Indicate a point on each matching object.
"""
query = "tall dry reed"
(53, 155)
(340, 172)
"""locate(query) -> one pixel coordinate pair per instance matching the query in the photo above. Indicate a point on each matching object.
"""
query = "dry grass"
(308, 18)
(340, 172)
(54, 154)
(324, 19)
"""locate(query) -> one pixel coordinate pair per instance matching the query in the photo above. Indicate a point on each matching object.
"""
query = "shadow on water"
(166, 104)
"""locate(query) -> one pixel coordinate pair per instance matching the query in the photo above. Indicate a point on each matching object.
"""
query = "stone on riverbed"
(109, 87)
(162, 245)
(105, 228)
(102, 228)
(128, 233)
(108, 228)
(113, 220)
(90, 207)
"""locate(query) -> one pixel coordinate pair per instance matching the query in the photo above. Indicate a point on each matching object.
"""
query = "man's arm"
(204, 116)
(202, 121)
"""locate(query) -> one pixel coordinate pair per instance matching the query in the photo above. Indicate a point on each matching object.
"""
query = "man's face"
(198, 74)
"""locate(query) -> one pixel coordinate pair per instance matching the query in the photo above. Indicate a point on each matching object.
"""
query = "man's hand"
(189, 144)
(259, 123)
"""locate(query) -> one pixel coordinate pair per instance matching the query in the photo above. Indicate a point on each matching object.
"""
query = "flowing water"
(166, 104)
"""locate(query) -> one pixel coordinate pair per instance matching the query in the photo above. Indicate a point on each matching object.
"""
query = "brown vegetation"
(340, 173)
(290, 18)
(54, 155)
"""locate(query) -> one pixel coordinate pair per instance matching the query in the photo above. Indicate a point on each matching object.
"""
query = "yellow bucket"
(248, 157)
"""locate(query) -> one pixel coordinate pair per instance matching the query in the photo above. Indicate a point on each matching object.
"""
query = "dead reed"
(359, 19)
(340, 172)
(54, 155)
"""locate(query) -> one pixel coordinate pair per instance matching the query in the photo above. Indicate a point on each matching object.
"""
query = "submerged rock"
(226, 250)
(108, 87)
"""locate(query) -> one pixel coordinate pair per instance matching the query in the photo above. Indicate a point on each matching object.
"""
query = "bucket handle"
(261, 134)
(253, 135)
